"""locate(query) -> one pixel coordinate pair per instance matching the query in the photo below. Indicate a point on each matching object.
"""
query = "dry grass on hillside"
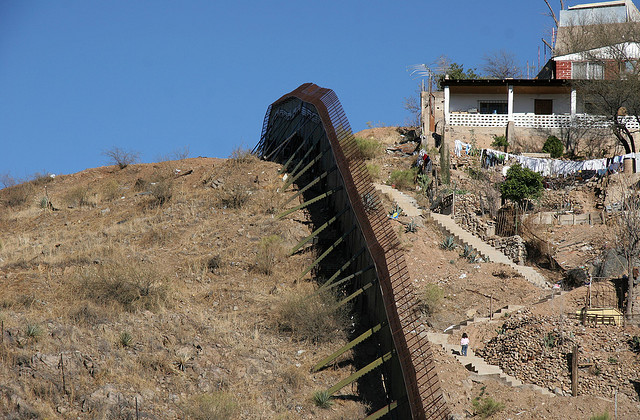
(160, 285)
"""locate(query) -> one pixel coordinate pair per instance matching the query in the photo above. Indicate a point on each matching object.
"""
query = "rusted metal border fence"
(413, 351)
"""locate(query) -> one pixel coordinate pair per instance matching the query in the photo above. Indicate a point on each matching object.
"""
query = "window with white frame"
(587, 70)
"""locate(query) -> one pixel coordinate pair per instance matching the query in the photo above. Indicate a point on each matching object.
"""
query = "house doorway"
(543, 106)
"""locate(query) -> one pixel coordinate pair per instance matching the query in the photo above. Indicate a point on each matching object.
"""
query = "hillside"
(160, 285)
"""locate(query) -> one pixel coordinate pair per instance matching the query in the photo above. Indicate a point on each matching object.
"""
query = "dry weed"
(78, 197)
(270, 250)
(313, 318)
(126, 285)
(214, 406)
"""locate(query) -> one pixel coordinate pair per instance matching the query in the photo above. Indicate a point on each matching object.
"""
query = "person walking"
(464, 342)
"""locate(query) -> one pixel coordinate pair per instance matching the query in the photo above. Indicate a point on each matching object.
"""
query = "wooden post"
(491, 307)
(574, 371)
(64, 382)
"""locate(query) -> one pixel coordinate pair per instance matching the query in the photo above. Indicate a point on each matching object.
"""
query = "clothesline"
(555, 167)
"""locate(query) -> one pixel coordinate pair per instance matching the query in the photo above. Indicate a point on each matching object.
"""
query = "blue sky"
(80, 77)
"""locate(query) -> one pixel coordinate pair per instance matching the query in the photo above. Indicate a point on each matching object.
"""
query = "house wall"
(521, 103)
(563, 70)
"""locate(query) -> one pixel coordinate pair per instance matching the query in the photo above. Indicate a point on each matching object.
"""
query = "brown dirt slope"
(163, 285)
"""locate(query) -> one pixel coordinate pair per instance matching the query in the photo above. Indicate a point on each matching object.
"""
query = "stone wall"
(511, 246)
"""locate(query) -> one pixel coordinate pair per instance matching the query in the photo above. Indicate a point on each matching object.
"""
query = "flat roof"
(600, 4)
(504, 82)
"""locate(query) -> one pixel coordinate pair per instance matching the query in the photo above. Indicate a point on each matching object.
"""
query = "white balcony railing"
(537, 121)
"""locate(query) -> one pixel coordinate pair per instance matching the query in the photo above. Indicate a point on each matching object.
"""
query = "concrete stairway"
(486, 250)
(410, 208)
(478, 365)
(496, 315)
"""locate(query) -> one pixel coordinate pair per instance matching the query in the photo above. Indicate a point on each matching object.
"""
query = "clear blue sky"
(79, 77)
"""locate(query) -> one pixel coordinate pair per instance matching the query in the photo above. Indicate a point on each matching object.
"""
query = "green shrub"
(369, 148)
(603, 416)
(500, 141)
(403, 179)
(374, 170)
(521, 184)
(215, 406)
(430, 297)
(448, 243)
(34, 331)
(486, 407)
(553, 146)
(322, 399)
(126, 339)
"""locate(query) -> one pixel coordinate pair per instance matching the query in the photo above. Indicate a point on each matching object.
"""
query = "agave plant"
(448, 243)
(411, 227)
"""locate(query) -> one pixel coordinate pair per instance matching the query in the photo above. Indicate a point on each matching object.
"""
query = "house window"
(543, 106)
(587, 70)
(493, 107)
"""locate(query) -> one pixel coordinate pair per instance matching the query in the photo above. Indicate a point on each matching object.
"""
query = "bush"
(486, 407)
(128, 286)
(369, 148)
(235, 197)
(240, 155)
(603, 416)
(553, 146)
(77, 197)
(312, 318)
(403, 179)
(322, 399)
(430, 297)
(121, 157)
(374, 170)
(16, 196)
(269, 251)
(214, 406)
(500, 141)
(521, 184)
(161, 191)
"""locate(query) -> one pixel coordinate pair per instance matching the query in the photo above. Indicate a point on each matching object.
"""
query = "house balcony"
(529, 120)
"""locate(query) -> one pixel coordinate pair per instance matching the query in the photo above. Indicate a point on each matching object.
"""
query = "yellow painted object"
(607, 316)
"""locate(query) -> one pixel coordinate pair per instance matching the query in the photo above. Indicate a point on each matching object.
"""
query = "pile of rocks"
(511, 246)
(537, 349)
(468, 215)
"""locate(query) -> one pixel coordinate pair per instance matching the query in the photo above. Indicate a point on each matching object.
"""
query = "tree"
(501, 65)
(451, 70)
(412, 105)
(121, 157)
(609, 74)
(500, 141)
(521, 185)
(627, 238)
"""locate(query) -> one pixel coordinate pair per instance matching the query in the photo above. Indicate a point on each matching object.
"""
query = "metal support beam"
(306, 203)
(327, 252)
(328, 285)
(302, 143)
(311, 184)
(344, 267)
(383, 411)
(317, 231)
(354, 294)
(279, 147)
(324, 362)
(380, 360)
(305, 169)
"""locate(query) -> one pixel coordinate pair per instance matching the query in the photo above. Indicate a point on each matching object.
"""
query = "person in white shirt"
(464, 342)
